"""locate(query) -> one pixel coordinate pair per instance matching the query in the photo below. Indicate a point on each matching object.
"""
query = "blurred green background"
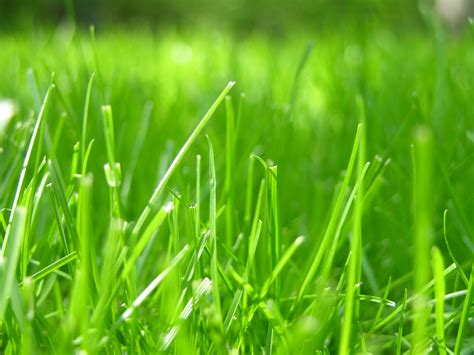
(271, 15)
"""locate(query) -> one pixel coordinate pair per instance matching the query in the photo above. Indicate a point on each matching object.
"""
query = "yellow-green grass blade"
(422, 203)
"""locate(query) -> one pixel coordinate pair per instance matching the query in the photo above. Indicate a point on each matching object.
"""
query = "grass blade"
(177, 160)
(450, 251)
(281, 264)
(465, 315)
(353, 277)
(422, 192)
(155, 283)
(85, 119)
(328, 234)
(10, 257)
(232, 310)
(54, 266)
(229, 170)
(26, 163)
(146, 236)
(137, 148)
(440, 292)
(400, 324)
(213, 234)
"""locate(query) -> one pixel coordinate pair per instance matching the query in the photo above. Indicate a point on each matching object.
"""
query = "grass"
(422, 187)
(321, 203)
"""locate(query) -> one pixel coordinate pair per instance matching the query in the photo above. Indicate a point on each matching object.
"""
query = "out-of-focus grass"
(215, 258)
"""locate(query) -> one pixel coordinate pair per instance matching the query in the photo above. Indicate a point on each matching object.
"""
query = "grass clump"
(303, 223)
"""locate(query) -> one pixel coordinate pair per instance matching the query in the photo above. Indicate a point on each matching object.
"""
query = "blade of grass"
(85, 118)
(440, 292)
(155, 283)
(84, 283)
(362, 166)
(54, 266)
(465, 315)
(249, 192)
(108, 123)
(197, 219)
(113, 171)
(137, 148)
(385, 321)
(232, 311)
(381, 307)
(329, 232)
(229, 167)
(9, 258)
(108, 276)
(400, 324)
(177, 160)
(203, 288)
(18, 309)
(281, 264)
(422, 192)
(213, 234)
(96, 62)
(353, 274)
(328, 262)
(296, 80)
(60, 198)
(275, 214)
(253, 239)
(26, 162)
(254, 233)
(146, 236)
(55, 207)
(450, 251)
(30, 74)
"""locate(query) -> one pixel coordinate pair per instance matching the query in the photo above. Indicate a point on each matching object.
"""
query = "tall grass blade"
(353, 273)
(213, 234)
(440, 292)
(465, 315)
(331, 227)
(422, 192)
(164, 180)
(229, 170)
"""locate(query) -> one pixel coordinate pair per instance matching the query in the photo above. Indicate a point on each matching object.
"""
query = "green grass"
(203, 192)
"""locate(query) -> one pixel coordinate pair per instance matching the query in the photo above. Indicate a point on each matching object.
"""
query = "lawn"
(205, 191)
